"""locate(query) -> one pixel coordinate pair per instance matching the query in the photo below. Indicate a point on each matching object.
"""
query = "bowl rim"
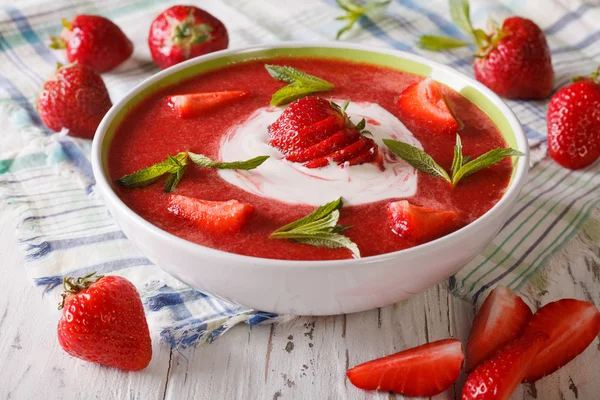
(507, 200)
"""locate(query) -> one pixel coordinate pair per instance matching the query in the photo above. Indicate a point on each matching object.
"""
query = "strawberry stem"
(73, 286)
(57, 43)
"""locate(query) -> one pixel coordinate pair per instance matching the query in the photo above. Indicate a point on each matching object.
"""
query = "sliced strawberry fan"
(318, 132)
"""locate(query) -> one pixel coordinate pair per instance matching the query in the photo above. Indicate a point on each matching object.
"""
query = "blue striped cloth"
(64, 228)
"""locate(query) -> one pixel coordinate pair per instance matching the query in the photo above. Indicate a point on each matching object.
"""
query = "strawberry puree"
(151, 131)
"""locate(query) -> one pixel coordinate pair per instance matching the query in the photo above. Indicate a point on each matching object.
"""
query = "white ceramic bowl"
(313, 287)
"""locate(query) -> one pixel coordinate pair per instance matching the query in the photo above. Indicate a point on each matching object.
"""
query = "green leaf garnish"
(354, 11)
(149, 175)
(461, 166)
(437, 43)
(457, 161)
(461, 16)
(417, 158)
(206, 162)
(176, 166)
(483, 161)
(320, 228)
(300, 84)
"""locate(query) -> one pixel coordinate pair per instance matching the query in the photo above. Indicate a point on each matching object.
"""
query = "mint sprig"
(462, 166)
(417, 158)
(175, 167)
(203, 161)
(355, 11)
(320, 228)
(461, 16)
(300, 85)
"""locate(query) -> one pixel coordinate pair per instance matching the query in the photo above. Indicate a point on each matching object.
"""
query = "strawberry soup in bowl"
(310, 178)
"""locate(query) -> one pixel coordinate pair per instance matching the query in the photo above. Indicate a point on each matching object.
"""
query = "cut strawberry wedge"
(331, 144)
(212, 216)
(195, 104)
(341, 155)
(424, 371)
(497, 378)
(571, 325)
(421, 224)
(424, 103)
(501, 319)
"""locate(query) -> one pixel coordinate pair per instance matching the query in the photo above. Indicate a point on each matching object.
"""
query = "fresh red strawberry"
(513, 60)
(303, 123)
(183, 32)
(424, 103)
(195, 104)
(516, 63)
(75, 98)
(424, 371)
(497, 378)
(93, 41)
(317, 132)
(501, 319)
(103, 321)
(574, 123)
(571, 325)
(213, 216)
(421, 224)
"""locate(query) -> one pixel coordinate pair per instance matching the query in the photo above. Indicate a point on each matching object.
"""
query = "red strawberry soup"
(281, 191)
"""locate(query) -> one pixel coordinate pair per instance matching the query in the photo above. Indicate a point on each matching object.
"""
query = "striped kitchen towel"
(64, 228)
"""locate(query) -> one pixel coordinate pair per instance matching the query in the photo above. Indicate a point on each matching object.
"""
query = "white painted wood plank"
(32, 364)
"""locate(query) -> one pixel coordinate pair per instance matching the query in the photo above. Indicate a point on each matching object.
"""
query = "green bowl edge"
(381, 59)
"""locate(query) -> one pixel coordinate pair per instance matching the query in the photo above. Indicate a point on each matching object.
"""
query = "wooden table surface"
(306, 360)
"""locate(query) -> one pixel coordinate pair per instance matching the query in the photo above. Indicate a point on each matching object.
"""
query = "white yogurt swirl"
(293, 183)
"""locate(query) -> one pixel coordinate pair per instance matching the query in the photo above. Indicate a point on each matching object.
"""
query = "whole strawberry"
(574, 123)
(75, 98)
(103, 321)
(513, 60)
(93, 41)
(183, 32)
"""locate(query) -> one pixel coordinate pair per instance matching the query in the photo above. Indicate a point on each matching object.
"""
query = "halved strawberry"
(424, 103)
(293, 130)
(195, 104)
(571, 325)
(317, 132)
(327, 146)
(497, 378)
(341, 155)
(501, 319)
(421, 224)
(214, 216)
(425, 370)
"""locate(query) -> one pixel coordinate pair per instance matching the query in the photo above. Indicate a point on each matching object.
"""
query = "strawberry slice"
(341, 155)
(424, 103)
(369, 154)
(195, 104)
(421, 224)
(501, 319)
(571, 325)
(213, 216)
(497, 378)
(329, 145)
(424, 371)
(294, 128)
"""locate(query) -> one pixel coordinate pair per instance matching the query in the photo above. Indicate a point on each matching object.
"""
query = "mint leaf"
(461, 16)
(320, 212)
(488, 159)
(457, 162)
(173, 179)
(300, 84)
(204, 161)
(320, 228)
(417, 158)
(355, 11)
(148, 175)
(437, 43)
